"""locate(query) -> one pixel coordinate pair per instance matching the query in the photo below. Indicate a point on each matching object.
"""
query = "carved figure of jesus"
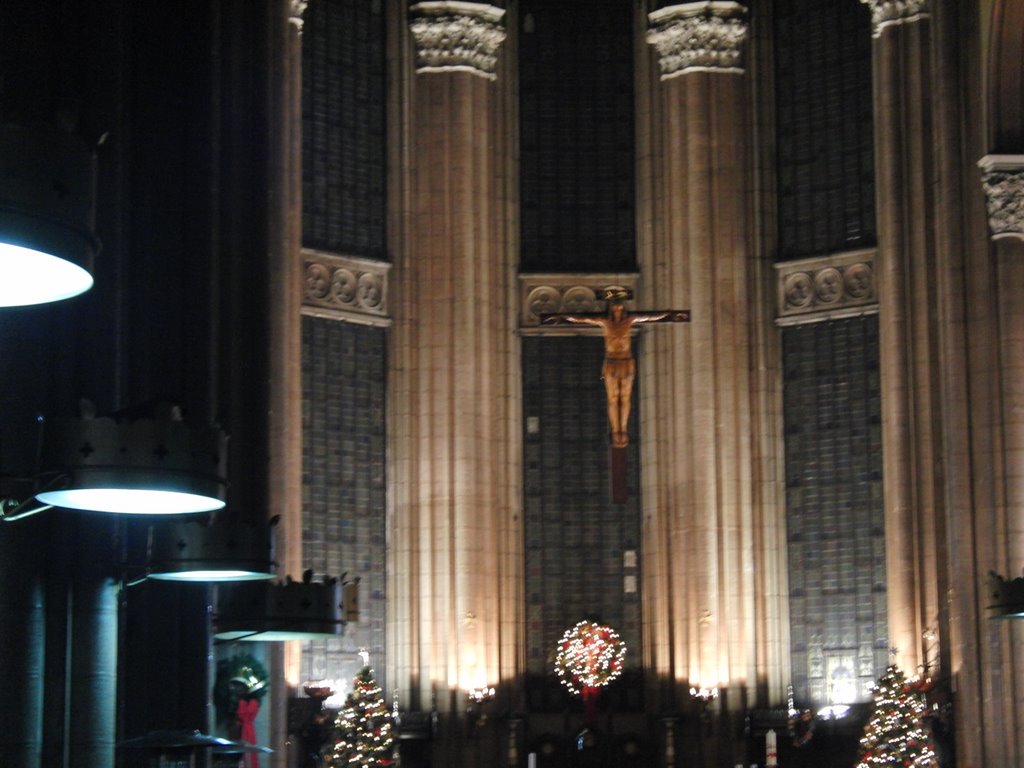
(619, 369)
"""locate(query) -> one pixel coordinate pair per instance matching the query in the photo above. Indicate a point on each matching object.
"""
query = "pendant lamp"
(151, 466)
(289, 610)
(221, 547)
(47, 187)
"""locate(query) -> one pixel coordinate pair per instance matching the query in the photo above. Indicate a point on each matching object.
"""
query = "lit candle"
(772, 754)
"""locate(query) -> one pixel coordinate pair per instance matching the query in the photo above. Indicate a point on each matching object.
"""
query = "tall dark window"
(826, 205)
(835, 515)
(343, 125)
(343, 492)
(826, 189)
(577, 137)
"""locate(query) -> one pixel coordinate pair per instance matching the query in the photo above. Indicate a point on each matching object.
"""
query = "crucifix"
(619, 367)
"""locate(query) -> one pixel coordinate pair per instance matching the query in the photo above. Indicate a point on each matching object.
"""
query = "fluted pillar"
(1000, 653)
(707, 580)
(287, 275)
(909, 340)
(950, 324)
(285, 395)
(454, 573)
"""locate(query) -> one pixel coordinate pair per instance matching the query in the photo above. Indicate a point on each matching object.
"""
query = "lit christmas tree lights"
(896, 734)
(363, 727)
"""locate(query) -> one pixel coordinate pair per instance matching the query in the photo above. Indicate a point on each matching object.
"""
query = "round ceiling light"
(149, 466)
(34, 277)
(223, 548)
(47, 244)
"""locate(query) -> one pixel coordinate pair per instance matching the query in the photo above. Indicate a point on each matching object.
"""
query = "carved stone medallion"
(822, 288)
(345, 288)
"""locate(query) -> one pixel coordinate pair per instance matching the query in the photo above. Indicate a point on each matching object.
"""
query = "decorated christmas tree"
(363, 728)
(896, 734)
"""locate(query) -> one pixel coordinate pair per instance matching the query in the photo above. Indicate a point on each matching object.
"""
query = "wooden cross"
(619, 369)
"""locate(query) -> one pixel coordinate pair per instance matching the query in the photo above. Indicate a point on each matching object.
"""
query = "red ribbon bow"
(246, 714)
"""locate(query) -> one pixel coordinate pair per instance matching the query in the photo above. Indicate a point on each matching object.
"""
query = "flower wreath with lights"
(589, 656)
(241, 677)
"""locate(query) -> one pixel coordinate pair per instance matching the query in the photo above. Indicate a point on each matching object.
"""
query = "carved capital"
(577, 293)
(698, 37)
(457, 36)
(296, 9)
(1002, 179)
(889, 13)
(838, 285)
(345, 288)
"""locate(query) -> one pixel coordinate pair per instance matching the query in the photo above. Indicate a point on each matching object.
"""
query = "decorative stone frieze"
(457, 36)
(345, 288)
(889, 13)
(547, 293)
(1003, 181)
(827, 287)
(698, 37)
(296, 9)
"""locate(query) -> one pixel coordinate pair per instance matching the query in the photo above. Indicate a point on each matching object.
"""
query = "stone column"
(286, 361)
(286, 389)
(707, 583)
(951, 326)
(258, 340)
(287, 275)
(1002, 535)
(92, 643)
(454, 574)
(909, 340)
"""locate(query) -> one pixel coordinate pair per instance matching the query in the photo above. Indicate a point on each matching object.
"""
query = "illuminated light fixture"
(47, 187)
(221, 548)
(481, 695)
(148, 466)
(293, 610)
(834, 712)
(704, 695)
(1007, 597)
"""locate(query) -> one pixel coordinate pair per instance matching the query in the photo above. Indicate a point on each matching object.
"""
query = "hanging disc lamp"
(47, 189)
(147, 466)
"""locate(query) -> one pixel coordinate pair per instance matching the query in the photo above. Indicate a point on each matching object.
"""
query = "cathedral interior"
(324, 238)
